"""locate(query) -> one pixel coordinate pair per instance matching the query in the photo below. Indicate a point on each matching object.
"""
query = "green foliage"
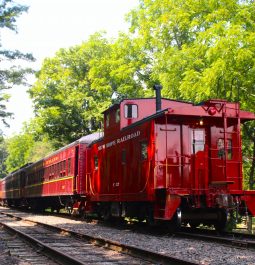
(25, 148)
(3, 156)
(75, 86)
(9, 74)
(249, 154)
(199, 49)
(18, 148)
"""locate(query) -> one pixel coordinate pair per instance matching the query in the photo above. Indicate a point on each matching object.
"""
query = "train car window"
(57, 168)
(96, 162)
(144, 150)
(229, 149)
(117, 116)
(69, 166)
(107, 120)
(198, 142)
(131, 111)
(220, 146)
(47, 172)
(64, 167)
(41, 175)
(123, 156)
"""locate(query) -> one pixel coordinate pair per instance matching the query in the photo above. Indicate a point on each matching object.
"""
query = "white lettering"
(119, 140)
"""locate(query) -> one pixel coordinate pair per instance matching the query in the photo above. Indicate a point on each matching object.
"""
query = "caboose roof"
(117, 105)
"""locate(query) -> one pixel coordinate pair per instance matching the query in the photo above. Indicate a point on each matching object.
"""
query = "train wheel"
(106, 213)
(149, 216)
(82, 213)
(69, 207)
(221, 223)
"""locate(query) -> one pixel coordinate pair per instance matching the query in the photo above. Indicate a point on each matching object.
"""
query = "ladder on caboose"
(237, 148)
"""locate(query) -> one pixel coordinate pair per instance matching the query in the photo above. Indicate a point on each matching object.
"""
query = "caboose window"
(117, 116)
(198, 140)
(144, 151)
(131, 111)
(229, 149)
(107, 120)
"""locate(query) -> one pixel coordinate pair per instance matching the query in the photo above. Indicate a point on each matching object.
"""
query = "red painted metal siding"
(121, 172)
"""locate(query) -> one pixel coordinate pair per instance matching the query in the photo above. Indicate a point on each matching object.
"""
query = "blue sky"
(53, 24)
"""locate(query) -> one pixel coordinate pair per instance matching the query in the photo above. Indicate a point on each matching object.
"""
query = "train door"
(168, 168)
(199, 157)
(173, 155)
(76, 168)
(226, 158)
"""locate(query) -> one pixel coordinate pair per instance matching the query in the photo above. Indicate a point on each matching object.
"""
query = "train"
(156, 160)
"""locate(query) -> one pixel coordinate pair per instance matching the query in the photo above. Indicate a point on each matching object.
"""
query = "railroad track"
(234, 239)
(14, 250)
(69, 247)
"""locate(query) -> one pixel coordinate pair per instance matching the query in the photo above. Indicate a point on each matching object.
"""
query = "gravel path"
(206, 253)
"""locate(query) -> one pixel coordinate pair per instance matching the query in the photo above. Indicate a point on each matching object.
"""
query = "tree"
(3, 156)
(26, 147)
(9, 74)
(74, 87)
(199, 49)
(18, 148)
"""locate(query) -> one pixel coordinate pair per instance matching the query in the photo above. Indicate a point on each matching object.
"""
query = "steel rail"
(141, 253)
(240, 240)
(49, 251)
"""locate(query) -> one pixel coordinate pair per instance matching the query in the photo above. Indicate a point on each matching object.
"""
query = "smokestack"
(158, 88)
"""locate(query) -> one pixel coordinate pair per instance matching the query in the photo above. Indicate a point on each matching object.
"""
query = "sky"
(53, 24)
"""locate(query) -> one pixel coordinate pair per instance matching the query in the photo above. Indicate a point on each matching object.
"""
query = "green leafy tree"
(9, 74)
(26, 147)
(3, 156)
(18, 148)
(199, 49)
(75, 86)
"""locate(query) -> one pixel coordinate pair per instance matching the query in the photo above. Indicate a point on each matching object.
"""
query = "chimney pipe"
(158, 88)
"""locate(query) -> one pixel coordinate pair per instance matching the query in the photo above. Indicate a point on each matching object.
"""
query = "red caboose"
(181, 162)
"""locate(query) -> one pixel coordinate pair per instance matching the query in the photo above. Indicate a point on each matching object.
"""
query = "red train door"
(226, 158)
(199, 158)
(168, 167)
(173, 155)
(76, 168)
